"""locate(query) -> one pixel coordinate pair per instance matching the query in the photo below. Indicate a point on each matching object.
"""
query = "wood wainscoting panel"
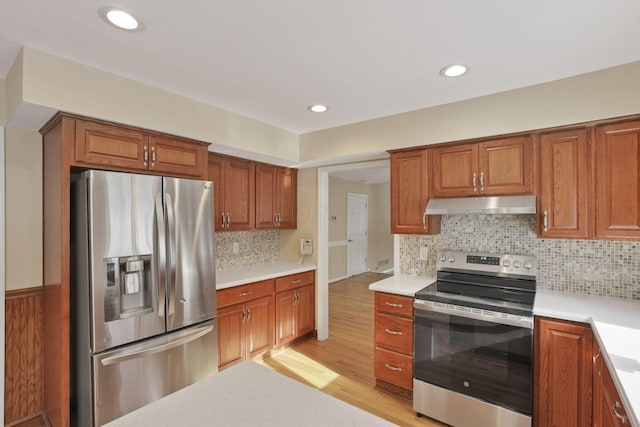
(23, 393)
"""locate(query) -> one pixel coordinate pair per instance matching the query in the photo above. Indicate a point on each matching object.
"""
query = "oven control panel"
(523, 265)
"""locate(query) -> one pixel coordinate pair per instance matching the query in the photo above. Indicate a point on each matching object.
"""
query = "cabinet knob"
(545, 221)
(481, 181)
(145, 155)
(474, 182)
(615, 408)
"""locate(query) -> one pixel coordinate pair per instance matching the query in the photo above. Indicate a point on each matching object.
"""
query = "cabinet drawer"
(394, 333)
(394, 304)
(394, 368)
(238, 294)
(110, 146)
(295, 281)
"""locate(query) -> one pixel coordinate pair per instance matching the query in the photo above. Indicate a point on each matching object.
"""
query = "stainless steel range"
(473, 341)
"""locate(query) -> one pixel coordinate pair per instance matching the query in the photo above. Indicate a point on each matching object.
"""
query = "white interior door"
(357, 228)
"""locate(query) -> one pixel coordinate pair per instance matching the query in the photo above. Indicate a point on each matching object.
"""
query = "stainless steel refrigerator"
(143, 291)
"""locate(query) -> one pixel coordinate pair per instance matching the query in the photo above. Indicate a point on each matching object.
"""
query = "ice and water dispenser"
(127, 287)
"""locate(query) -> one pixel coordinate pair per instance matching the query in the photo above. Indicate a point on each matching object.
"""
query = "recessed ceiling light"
(318, 108)
(454, 70)
(120, 18)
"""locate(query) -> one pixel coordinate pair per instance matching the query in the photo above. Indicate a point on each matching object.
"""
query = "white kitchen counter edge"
(402, 284)
(616, 326)
(257, 272)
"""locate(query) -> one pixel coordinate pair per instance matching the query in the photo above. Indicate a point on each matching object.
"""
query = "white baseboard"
(337, 279)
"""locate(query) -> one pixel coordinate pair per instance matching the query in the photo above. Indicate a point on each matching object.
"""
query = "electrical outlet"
(424, 253)
(236, 248)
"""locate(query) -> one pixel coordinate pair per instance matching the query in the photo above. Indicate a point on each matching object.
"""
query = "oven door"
(478, 353)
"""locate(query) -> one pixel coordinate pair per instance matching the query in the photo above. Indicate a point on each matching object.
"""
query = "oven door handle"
(485, 315)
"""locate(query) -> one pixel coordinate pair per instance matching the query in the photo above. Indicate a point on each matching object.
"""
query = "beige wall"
(307, 219)
(380, 241)
(23, 216)
(3, 115)
(609, 93)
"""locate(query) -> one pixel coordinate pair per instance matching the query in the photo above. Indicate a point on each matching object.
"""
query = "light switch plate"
(424, 253)
(236, 248)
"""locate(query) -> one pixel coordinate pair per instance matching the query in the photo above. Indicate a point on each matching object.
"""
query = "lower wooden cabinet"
(393, 357)
(245, 329)
(607, 406)
(563, 373)
(295, 313)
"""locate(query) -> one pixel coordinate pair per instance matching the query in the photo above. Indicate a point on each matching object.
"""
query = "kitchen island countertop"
(257, 272)
(616, 326)
(248, 394)
(402, 284)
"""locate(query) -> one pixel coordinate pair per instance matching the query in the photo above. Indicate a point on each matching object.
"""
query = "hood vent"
(482, 205)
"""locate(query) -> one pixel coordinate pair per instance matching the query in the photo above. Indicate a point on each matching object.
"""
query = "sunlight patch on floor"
(309, 370)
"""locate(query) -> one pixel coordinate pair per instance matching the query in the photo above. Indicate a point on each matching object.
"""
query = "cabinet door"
(505, 166)
(240, 181)
(455, 171)
(394, 333)
(617, 163)
(173, 156)
(266, 196)
(563, 378)
(285, 317)
(305, 310)
(259, 326)
(287, 198)
(564, 185)
(231, 335)
(410, 193)
(215, 173)
(110, 146)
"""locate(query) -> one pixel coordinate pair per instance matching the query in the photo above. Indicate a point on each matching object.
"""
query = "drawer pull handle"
(615, 408)
(392, 304)
(244, 294)
(296, 281)
(545, 221)
(389, 331)
(393, 368)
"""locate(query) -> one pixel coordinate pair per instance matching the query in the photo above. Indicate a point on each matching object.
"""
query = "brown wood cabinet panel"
(505, 166)
(394, 333)
(455, 171)
(260, 326)
(285, 317)
(410, 193)
(563, 373)
(287, 185)
(240, 196)
(617, 180)
(394, 368)
(244, 293)
(177, 157)
(394, 304)
(294, 281)
(110, 146)
(23, 380)
(231, 335)
(216, 174)
(266, 196)
(608, 410)
(305, 315)
(564, 185)
(276, 197)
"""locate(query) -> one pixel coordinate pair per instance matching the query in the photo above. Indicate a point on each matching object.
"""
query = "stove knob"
(528, 265)
(443, 258)
(517, 264)
(506, 263)
(451, 259)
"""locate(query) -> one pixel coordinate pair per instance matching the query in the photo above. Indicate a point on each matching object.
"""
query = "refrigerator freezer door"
(133, 376)
(122, 258)
(191, 284)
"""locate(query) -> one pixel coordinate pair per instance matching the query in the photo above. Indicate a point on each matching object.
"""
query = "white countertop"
(402, 284)
(255, 273)
(616, 326)
(248, 394)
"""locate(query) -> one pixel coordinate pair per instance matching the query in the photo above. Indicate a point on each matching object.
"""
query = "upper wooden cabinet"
(617, 181)
(497, 167)
(116, 147)
(276, 197)
(234, 192)
(410, 193)
(563, 190)
(563, 373)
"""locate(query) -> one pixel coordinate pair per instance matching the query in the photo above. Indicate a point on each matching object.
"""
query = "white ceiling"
(364, 58)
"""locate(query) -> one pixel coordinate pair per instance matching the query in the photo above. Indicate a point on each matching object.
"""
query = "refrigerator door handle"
(171, 256)
(161, 255)
(147, 351)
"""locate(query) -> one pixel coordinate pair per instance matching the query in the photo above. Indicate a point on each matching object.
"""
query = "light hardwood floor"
(342, 365)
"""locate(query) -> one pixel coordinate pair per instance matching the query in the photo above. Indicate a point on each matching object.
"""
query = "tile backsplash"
(255, 247)
(598, 267)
